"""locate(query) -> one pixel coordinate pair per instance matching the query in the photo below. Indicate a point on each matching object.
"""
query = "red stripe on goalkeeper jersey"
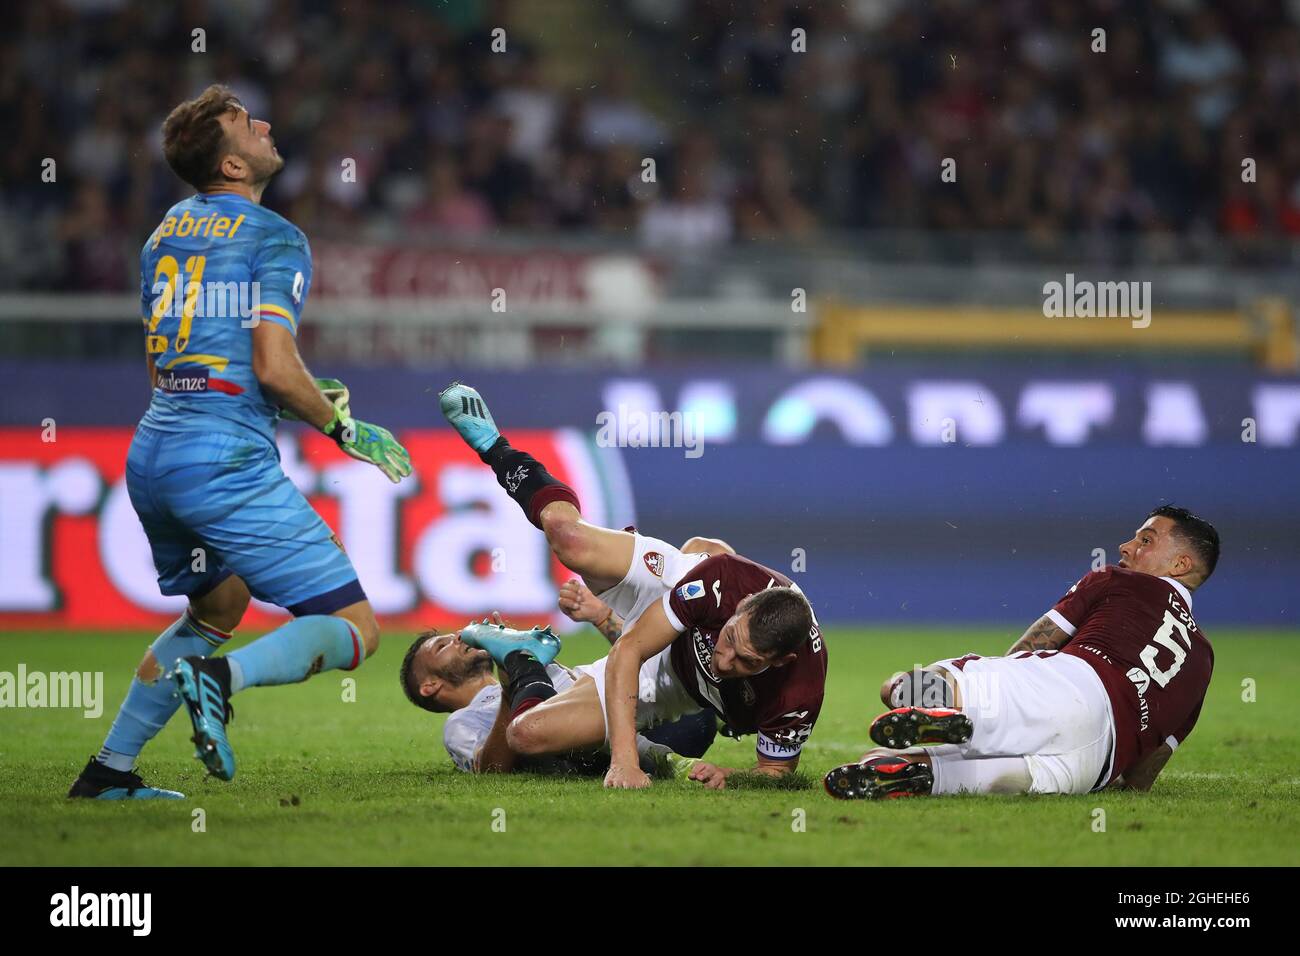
(221, 385)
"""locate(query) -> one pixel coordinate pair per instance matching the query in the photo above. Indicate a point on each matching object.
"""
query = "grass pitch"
(326, 781)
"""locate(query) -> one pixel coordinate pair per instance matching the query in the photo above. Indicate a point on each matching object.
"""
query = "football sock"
(150, 704)
(921, 688)
(955, 774)
(294, 651)
(529, 682)
(526, 480)
(650, 753)
(689, 736)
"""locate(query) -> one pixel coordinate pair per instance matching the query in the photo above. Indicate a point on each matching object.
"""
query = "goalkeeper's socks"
(526, 480)
(529, 682)
(150, 704)
(293, 652)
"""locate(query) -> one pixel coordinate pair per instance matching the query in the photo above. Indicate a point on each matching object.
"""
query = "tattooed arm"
(1043, 635)
(577, 601)
(611, 627)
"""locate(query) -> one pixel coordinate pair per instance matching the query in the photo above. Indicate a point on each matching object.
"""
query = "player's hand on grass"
(712, 776)
(371, 443)
(579, 604)
(626, 778)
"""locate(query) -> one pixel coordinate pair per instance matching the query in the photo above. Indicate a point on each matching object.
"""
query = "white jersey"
(656, 567)
(466, 729)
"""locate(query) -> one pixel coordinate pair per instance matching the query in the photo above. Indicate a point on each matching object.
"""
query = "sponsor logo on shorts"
(691, 590)
(654, 562)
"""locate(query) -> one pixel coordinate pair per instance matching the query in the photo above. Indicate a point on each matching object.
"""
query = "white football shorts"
(656, 567)
(1050, 708)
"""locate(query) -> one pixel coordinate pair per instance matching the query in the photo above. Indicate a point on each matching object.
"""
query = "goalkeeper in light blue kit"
(223, 282)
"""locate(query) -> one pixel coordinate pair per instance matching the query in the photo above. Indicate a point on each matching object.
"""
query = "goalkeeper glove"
(335, 392)
(366, 442)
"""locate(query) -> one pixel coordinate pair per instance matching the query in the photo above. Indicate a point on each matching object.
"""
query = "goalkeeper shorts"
(215, 504)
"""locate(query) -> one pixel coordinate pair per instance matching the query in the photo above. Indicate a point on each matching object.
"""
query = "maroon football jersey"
(1137, 632)
(782, 703)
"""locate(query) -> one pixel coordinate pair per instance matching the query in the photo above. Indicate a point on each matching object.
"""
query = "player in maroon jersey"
(1099, 692)
(703, 628)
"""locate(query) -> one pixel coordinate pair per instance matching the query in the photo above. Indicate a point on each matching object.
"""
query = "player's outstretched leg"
(906, 727)
(524, 478)
(287, 655)
(880, 777)
(601, 555)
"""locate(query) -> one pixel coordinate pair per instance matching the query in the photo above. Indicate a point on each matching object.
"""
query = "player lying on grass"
(443, 674)
(223, 520)
(1099, 692)
(704, 629)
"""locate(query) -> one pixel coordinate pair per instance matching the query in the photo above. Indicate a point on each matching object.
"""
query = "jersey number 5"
(1165, 638)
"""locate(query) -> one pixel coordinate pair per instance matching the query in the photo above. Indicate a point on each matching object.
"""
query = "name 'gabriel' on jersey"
(782, 703)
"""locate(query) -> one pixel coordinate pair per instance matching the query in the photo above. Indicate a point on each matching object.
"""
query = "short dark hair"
(1197, 532)
(193, 139)
(780, 620)
(411, 686)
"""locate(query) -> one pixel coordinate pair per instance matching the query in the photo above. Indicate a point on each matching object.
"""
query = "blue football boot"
(499, 641)
(465, 411)
(98, 782)
(204, 685)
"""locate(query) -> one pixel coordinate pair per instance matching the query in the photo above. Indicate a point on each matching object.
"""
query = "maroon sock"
(528, 703)
(526, 480)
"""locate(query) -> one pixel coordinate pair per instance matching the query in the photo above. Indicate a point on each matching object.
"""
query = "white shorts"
(656, 567)
(661, 697)
(1051, 709)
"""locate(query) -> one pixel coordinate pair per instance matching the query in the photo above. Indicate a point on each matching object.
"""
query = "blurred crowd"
(750, 139)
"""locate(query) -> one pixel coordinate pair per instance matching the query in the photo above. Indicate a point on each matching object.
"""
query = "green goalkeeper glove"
(335, 392)
(366, 442)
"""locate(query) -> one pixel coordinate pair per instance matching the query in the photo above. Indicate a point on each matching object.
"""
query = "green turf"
(323, 781)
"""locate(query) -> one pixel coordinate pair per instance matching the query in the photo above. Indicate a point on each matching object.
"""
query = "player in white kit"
(441, 673)
(717, 632)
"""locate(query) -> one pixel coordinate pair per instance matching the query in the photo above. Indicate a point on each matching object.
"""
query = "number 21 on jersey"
(166, 280)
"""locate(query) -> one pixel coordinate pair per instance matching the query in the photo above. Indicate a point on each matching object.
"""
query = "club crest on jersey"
(654, 562)
(690, 591)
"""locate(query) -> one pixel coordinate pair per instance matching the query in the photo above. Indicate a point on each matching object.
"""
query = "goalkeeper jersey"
(217, 265)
